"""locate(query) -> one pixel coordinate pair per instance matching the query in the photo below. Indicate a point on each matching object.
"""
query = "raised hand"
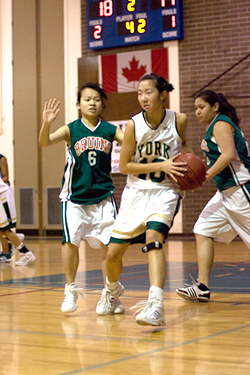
(51, 110)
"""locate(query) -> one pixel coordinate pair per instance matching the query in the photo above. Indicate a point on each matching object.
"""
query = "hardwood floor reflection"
(199, 338)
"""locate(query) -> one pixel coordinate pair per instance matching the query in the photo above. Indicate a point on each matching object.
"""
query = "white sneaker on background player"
(25, 258)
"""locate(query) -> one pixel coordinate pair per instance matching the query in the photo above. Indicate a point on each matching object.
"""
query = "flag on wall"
(122, 72)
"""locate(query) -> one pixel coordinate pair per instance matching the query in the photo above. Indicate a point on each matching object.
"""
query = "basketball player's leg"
(119, 242)
(205, 257)
(109, 302)
(5, 245)
(104, 267)
(212, 225)
(8, 215)
(70, 258)
(153, 311)
(199, 290)
(5, 255)
(114, 260)
(72, 222)
(156, 260)
(99, 227)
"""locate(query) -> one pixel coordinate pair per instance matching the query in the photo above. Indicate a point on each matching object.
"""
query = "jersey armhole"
(175, 131)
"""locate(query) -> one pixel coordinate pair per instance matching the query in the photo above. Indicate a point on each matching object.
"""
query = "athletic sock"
(23, 249)
(202, 287)
(155, 292)
(112, 285)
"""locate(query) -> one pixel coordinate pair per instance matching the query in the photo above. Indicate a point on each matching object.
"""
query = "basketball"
(195, 174)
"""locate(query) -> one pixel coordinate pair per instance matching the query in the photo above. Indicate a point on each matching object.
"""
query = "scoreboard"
(114, 23)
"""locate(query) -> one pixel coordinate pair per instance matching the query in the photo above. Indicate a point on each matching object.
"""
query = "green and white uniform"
(238, 171)
(88, 207)
(227, 214)
(7, 205)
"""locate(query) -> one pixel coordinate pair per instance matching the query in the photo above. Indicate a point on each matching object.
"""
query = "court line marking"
(150, 352)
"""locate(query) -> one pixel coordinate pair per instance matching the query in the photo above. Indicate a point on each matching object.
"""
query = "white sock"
(111, 285)
(155, 292)
(20, 246)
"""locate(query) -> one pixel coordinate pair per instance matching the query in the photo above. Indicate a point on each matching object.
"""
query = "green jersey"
(87, 177)
(238, 171)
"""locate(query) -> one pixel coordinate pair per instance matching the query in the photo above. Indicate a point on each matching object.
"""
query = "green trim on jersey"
(238, 171)
(87, 177)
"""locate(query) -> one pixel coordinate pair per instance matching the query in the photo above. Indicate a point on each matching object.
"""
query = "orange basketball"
(195, 174)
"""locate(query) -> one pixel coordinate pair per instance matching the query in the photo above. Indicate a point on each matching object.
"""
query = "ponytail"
(224, 106)
(227, 109)
(160, 83)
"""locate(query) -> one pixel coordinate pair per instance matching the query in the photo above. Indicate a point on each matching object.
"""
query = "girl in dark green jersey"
(227, 214)
(88, 207)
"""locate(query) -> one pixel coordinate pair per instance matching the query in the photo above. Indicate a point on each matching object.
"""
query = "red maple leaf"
(134, 73)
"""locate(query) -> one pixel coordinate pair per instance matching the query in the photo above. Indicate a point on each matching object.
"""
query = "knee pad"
(152, 246)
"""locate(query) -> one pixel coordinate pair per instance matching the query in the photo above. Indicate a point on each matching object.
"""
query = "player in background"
(227, 214)
(153, 138)
(12, 242)
(88, 207)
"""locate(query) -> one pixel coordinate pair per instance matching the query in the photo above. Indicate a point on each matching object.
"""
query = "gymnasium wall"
(38, 75)
(216, 36)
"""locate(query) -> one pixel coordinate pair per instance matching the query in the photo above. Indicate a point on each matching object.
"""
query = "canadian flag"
(122, 72)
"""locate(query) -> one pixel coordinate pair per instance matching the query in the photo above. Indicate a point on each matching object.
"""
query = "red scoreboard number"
(123, 22)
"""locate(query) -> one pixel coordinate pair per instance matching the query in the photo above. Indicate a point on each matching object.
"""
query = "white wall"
(173, 63)
(72, 51)
(6, 79)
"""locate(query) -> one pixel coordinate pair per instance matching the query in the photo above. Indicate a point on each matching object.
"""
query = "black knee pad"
(152, 246)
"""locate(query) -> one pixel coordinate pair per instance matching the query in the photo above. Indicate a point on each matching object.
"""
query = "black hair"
(225, 107)
(160, 83)
(94, 86)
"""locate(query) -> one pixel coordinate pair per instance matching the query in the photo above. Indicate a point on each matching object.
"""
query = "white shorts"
(93, 223)
(225, 216)
(141, 207)
(7, 210)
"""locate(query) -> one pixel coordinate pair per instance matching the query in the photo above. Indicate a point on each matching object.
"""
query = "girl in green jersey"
(87, 204)
(227, 214)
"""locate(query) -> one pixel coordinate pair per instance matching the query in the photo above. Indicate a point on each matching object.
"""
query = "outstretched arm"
(50, 112)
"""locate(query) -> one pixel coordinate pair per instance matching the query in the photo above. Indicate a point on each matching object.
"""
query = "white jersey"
(154, 145)
(3, 186)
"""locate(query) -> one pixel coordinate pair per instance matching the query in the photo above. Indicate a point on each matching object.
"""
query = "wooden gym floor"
(199, 338)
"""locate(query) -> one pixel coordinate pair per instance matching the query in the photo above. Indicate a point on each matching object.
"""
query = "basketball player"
(87, 203)
(153, 138)
(8, 222)
(227, 214)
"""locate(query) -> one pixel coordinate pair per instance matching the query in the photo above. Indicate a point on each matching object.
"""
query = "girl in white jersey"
(88, 209)
(8, 222)
(152, 140)
(227, 214)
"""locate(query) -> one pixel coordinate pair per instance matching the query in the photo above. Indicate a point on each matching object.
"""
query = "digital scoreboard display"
(113, 23)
